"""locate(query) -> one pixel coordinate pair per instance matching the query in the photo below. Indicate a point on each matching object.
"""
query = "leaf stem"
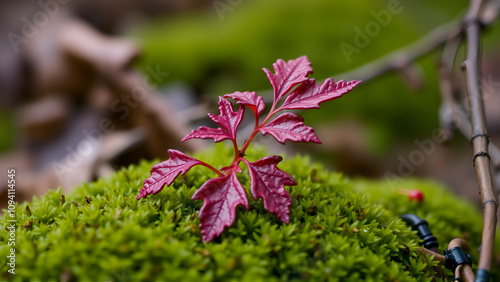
(247, 143)
(211, 168)
(271, 113)
(236, 150)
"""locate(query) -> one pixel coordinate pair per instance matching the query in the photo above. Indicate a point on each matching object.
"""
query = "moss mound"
(339, 230)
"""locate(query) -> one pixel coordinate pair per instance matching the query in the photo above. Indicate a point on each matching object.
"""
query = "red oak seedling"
(222, 194)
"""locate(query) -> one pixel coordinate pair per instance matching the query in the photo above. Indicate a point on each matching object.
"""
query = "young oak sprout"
(222, 194)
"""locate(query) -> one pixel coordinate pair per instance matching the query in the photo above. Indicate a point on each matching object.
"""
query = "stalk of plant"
(222, 194)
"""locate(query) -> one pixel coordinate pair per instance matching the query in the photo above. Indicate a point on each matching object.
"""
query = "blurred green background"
(218, 55)
(221, 51)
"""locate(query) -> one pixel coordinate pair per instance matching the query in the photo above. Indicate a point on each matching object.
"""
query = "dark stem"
(479, 135)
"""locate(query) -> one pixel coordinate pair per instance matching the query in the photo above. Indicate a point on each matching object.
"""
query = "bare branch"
(452, 33)
(479, 139)
(401, 58)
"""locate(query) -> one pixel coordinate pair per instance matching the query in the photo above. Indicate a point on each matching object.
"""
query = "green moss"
(339, 230)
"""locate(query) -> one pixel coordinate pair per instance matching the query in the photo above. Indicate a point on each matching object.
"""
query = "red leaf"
(288, 74)
(309, 95)
(166, 172)
(228, 119)
(218, 134)
(249, 99)
(268, 182)
(221, 196)
(290, 126)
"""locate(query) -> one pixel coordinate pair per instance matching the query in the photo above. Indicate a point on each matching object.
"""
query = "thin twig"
(479, 137)
(438, 257)
(403, 57)
(447, 87)
(462, 122)
(457, 273)
(463, 270)
(399, 59)
(452, 114)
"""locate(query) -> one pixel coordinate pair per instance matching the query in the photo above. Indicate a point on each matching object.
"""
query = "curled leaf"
(249, 99)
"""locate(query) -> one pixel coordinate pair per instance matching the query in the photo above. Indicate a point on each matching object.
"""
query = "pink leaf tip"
(228, 119)
(287, 75)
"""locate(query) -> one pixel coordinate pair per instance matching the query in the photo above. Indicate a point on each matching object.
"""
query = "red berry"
(417, 195)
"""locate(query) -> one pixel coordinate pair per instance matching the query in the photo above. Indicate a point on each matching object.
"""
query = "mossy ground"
(339, 230)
